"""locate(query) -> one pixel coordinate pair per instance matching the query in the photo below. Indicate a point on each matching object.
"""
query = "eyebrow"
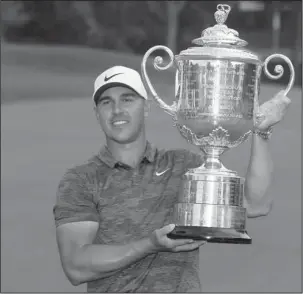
(129, 94)
(103, 98)
(124, 95)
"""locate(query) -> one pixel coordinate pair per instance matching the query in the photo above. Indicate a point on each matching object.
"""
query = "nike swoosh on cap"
(108, 78)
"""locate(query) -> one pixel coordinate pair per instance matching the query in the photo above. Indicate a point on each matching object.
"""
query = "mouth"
(119, 123)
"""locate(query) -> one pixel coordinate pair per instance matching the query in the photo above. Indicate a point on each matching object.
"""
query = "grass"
(45, 131)
(46, 72)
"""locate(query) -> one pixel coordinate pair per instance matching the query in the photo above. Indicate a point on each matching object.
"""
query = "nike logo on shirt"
(110, 77)
(161, 173)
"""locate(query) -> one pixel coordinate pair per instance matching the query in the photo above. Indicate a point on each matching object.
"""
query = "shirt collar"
(106, 156)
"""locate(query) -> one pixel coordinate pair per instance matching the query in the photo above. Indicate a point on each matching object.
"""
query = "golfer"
(113, 212)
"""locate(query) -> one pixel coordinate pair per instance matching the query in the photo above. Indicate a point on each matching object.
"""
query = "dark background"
(135, 26)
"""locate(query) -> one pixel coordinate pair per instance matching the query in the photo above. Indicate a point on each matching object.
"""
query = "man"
(114, 212)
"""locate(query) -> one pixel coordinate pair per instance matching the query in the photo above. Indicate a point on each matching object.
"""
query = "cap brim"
(110, 85)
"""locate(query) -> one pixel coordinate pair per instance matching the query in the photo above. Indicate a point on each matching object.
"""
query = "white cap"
(119, 76)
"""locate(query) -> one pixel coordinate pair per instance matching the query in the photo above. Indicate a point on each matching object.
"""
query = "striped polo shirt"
(129, 204)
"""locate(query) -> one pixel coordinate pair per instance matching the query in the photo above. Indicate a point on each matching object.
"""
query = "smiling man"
(113, 213)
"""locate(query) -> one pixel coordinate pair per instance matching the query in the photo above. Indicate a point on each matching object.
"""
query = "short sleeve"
(74, 202)
(192, 159)
(182, 160)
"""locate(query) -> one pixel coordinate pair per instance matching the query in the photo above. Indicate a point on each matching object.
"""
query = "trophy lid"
(220, 41)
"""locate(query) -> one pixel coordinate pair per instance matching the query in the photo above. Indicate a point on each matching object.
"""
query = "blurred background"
(51, 52)
(132, 27)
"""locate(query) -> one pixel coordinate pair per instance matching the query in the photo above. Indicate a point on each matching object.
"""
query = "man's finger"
(166, 230)
(180, 242)
(189, 247)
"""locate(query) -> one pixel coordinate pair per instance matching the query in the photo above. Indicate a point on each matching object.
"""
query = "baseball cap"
(119, 76)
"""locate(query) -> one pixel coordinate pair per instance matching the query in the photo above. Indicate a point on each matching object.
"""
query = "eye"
(104, 102)
(128, 99)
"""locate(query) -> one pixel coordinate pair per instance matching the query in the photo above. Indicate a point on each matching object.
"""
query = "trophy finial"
(220, 34)
(222, 13)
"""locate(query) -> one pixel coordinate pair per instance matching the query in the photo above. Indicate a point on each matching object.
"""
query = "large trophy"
(216, 102)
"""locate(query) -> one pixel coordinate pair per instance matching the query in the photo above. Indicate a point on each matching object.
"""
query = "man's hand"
(272, 111)
(161, 242)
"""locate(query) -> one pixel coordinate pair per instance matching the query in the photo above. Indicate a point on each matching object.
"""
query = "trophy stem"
(212, 162)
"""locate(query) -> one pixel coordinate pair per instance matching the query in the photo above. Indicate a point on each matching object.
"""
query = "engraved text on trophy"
(217, 93)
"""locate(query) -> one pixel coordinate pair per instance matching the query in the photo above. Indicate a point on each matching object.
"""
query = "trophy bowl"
(217, 86)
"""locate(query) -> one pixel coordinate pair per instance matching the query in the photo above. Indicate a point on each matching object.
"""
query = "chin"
(124, 138)
(124, 135)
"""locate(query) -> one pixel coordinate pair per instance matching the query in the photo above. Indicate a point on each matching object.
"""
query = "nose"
(116, 108)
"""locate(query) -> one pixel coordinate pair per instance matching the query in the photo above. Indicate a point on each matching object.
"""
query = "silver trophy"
(216, 101)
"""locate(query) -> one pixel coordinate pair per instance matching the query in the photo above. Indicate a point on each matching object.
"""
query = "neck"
(130, 153)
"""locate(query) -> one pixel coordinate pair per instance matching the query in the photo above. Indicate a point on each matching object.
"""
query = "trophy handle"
(279, 69)
(171, 110)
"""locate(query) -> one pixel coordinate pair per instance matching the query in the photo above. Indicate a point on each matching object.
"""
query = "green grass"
(45, 131)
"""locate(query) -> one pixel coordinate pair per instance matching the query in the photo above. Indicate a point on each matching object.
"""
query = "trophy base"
(211, 235)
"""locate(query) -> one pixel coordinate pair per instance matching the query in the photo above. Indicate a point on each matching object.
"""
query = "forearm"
(95, 261)
(258, 178)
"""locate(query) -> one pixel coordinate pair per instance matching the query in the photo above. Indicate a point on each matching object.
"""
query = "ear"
(147, 106)
(96, 112)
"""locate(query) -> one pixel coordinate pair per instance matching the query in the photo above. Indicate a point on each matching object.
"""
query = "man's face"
(121, 113)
